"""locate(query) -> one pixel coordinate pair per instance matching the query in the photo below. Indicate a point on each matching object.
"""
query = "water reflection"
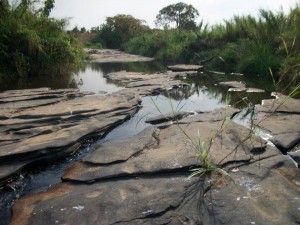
(201, 89)
(206, 84)
(92, 79)
(57, 82)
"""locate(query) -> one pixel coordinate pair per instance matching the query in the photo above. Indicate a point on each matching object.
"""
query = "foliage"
(182, 14)
(171, 45)
(33, 44)
(118, 30)
(245, 44)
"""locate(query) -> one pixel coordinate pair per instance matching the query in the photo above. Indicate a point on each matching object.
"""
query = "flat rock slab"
(112, 56)
(146, 184)
(280, 118)
(122, 150)
(211, 116)
(281, 103)
(169, 198)
(233, 84)
(174, 151)
(249, 90)
(45, 124)
(146, 84)
(101, 203)
(184, 67)
(167, 117)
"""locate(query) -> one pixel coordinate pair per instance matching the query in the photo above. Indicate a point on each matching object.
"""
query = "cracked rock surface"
(146, 183)
(43, 124)
(143, 179)
(280, 117)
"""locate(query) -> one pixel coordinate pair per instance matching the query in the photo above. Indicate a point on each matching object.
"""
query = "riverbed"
(201, 95)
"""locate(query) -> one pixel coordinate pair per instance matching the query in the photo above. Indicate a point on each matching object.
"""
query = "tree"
(48, 6)
(119, 29)
(182, 14)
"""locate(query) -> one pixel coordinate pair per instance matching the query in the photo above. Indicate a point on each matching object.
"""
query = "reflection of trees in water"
(55, 82)
(179, 93)
(236, 99)
(146, 67)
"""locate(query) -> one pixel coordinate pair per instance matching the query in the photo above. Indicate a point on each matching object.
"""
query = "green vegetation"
(244, 44)
(183, 15)
(33, 44)
(170, 45)
(118, 30)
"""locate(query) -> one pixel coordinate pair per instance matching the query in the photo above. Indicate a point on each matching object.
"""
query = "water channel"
(202, 94)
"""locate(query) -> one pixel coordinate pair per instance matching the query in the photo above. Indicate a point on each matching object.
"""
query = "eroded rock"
(146, 184)
(42, 131)
(281, 119)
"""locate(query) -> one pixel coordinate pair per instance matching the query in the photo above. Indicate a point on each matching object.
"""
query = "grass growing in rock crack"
(203, 148)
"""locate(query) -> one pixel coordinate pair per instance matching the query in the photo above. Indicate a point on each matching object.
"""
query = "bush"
(33, 44)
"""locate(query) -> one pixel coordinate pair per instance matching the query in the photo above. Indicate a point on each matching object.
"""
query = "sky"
(92, 13)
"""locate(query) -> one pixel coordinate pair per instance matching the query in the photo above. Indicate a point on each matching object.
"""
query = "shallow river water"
(202, 94)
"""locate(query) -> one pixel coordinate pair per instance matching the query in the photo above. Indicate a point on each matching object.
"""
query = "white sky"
(91, 13)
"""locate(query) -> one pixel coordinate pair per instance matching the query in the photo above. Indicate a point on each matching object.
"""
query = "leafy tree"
(182, 14)
(119, 29)
(48, 6)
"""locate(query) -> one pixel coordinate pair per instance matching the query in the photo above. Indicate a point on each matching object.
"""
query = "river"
(202, 94)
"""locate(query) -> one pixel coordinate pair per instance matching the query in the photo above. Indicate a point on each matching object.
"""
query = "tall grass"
(248, 44)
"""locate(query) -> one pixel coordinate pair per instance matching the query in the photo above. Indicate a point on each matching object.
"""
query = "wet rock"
(175, 151)
(237, 89)
(280, 118)
(167, 117)
(112, 55)
(146, 84)
(296, 157)
(249, 90)
(281, 103)
(236, 74)
(233, 84)
(217, 72)
(184, 67)
(213, 116)
(254, 90)
(148, 185)
(31, 131)
(122, 150)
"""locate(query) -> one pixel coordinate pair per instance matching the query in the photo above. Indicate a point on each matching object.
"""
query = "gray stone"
(175, 150)
(167, 117)
(122, 150)
(184, 67)
(112, 55)
(43, 131)
(233, 84)
(281, 103)
(281, 119)
(101, 203)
